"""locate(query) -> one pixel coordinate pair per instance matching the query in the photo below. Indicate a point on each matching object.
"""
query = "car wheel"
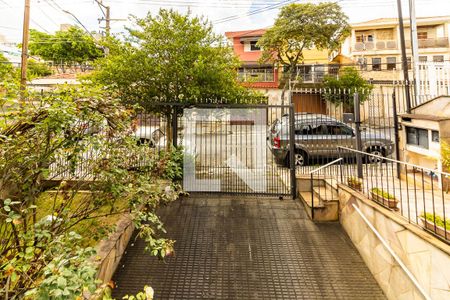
(375, 151)
(143, 141)
(300, 159)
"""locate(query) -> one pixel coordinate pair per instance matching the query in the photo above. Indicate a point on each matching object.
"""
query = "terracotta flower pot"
(391, 203)
(438, 229)
(355, 185)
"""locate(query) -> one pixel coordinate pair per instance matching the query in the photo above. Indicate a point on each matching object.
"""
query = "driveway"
(247, 248)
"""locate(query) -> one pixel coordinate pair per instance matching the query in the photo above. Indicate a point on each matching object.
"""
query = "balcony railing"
(316, 73)
(256, 75)
(378, 45)
(441, 42)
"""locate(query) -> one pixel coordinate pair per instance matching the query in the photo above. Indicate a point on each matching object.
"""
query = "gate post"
(396, 134)
(175, 126)
(292, 150)
(358, 134)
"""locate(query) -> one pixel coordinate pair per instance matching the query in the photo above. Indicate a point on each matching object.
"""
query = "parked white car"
(150, 135)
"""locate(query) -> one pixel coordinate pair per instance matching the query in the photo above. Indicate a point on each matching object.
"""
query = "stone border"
(111, 250)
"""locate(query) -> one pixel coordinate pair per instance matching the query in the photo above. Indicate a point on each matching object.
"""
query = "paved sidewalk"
(248, 248)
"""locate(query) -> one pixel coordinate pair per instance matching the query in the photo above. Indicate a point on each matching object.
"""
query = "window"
(423, 58)
(438, 58)
(361, 38)
(417, 137)
(435, 136)
(423, 35)
(391, 63)
(256, 74)
(254, 46)
(362, 62)
(339, 130)
(376, 64)
(409, 63)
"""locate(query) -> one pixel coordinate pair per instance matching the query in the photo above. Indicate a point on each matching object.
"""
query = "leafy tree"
(171, 57)
(5, 68)
(50, 137)
(340, 90)
(65, 48)
(445, 153)
(299, 27)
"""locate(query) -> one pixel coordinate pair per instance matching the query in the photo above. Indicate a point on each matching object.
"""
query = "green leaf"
(62, 282)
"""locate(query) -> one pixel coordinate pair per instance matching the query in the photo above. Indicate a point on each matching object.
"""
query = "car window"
(319, 129)
(303, 129)
(339, 130)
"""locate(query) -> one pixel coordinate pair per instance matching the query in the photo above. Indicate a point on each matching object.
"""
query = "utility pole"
(108, 20)
(106, 10)
(25, 38)
(415, 47)
(404, 58)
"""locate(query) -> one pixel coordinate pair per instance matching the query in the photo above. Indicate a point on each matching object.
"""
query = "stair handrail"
(395, 161)
(311, 173)
(394, 255)
(326, 166)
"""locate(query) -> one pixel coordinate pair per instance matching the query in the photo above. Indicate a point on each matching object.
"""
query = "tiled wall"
(425, 256)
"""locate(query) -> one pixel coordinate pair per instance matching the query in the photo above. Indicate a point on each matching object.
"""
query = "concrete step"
(326, 193)
(332, 183)
(306, 197)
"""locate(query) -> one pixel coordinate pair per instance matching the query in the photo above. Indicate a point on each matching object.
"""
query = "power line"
(47, 16)
(253, 12)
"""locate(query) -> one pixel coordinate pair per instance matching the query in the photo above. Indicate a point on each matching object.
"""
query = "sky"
(226, 15)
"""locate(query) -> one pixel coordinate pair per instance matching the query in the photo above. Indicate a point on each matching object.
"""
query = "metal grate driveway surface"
(247, 248)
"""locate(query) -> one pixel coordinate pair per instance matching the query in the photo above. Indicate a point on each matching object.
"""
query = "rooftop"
(394, 21)
(245, 33)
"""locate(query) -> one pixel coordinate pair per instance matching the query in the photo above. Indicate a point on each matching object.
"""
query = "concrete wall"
(424, 255)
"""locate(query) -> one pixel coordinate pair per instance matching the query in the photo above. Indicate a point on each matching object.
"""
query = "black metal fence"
(417, 193)
(343, 118)
(228, 149)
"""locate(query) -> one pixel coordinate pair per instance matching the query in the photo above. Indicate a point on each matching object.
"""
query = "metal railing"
(418, 194)
(256, 75)
(386, 245)
(322, 172)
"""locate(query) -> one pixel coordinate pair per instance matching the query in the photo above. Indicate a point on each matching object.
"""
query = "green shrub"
(438, 219)
(37, 69)
(382, 193)
(354, 180)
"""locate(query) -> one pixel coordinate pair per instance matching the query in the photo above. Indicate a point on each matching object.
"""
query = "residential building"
(268, 79)
(423, 131)
(263, 77)
(374, 46)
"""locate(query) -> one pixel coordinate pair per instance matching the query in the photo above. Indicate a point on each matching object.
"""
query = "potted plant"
(384, 198)
(355, 183)
(436, 224)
